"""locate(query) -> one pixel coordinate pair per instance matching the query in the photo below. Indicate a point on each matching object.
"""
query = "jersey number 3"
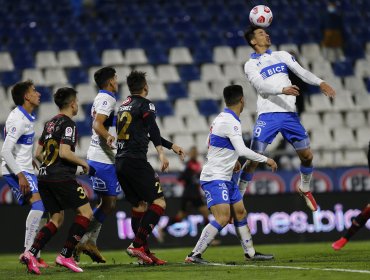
(124, 121)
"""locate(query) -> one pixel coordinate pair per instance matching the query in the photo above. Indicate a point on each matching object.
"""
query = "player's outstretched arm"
(179, 151)
(327, 90)
(163, 159)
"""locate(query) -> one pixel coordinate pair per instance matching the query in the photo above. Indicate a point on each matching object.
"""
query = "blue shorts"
(220, 192)
(12, 181)
(104, 180)
(269, 125)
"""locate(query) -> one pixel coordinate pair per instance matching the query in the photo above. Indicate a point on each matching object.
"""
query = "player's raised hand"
(272, 164)
(179, 151)
(291, 90)
(110, 141)
(327, 90)
(24, 185)
(164, 162)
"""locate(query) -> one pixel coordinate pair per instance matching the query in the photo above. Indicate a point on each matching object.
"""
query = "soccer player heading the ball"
(267, 71)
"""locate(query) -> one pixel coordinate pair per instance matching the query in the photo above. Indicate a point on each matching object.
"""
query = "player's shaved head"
(103, 75)
(19, 91)
(249, 34)
(233, 94)
(136, 82)
(64, 96)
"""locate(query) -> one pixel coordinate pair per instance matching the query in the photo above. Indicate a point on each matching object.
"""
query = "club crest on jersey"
(69, 131)
(50, 127)
(105, 103)
(236, 128)
(127, 101)
(13, 129)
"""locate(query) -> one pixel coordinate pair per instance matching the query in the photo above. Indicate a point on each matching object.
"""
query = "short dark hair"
(136, 82)
(249, 34)
(64, 96)
(19, 90)
(233, 94)
(103, 75)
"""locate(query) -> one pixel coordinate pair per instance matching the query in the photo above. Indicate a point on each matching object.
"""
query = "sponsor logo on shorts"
(261, 123)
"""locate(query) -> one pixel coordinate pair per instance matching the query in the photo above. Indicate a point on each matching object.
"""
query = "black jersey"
(132, 129)
(59, 130)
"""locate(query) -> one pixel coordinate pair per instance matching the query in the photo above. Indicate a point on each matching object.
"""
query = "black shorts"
(58, 196)
(138, 180)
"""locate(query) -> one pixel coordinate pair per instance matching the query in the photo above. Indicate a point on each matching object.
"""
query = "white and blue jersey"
(225, 146)
(268, 73)
(17, 151)
(99, 155)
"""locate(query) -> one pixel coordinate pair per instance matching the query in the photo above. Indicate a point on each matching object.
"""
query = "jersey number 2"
(123, 135)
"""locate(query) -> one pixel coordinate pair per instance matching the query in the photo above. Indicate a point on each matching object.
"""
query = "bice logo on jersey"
(274, 69)
(127, 101)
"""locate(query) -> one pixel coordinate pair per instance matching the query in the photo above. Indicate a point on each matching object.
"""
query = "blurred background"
(190, 51)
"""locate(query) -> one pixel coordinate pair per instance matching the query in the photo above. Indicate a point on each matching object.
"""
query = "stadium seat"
(82, 146)
(176, 91)
(163, 108)
(322, 69)
(320, 138)
(290, 47)
(86, 93)
(311, 51)
(223, 55)
(186, 107)
(89, 57)
(202, 54)
(176, 164)
(9, 78)
(156, 55)
(201, 142)
(173, 125)
(6, 62)
(196, 124)
(343, 102)
(157, 91)
(332, 120)
(208, 107)
(46, 94)
(355, 84)
(318, 103)
(135, 56)
(168, 74)
(46, 59)
(362, 68)
(92, 71)
(68, 58)
(189, 72)
(35, 75)
(122, 72)
(185, 141)
(353, 158)
(180, 55)
(112, 57)
(46, 111)
(363, 101)
(362, 136)
(210, 72)
(55, 76)
(151, 74)
(355, 119)
(243, 54)
(247, 122)
(233, 72)
(217, 87)
(310, 120)
(344, 138)
(331, 159)
(77, 76)
(343, 68)
(199, 90)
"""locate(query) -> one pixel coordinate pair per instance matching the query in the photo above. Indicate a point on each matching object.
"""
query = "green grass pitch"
(292, 261)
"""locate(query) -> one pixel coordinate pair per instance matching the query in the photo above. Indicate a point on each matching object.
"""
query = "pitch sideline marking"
(292, 267)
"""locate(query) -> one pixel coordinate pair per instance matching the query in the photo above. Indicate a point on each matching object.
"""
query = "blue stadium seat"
(77, 76)
(164, 108)
(23, 59)
(235, 38)
(45, 92)
(208, 107)
(176, 90)
(9, 78)
(90, 57)
(203, 54)
(157, 55)
(84, 127)
(343, 68)
(189, 72)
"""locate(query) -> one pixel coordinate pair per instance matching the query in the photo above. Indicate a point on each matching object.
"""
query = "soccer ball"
(261, 15)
